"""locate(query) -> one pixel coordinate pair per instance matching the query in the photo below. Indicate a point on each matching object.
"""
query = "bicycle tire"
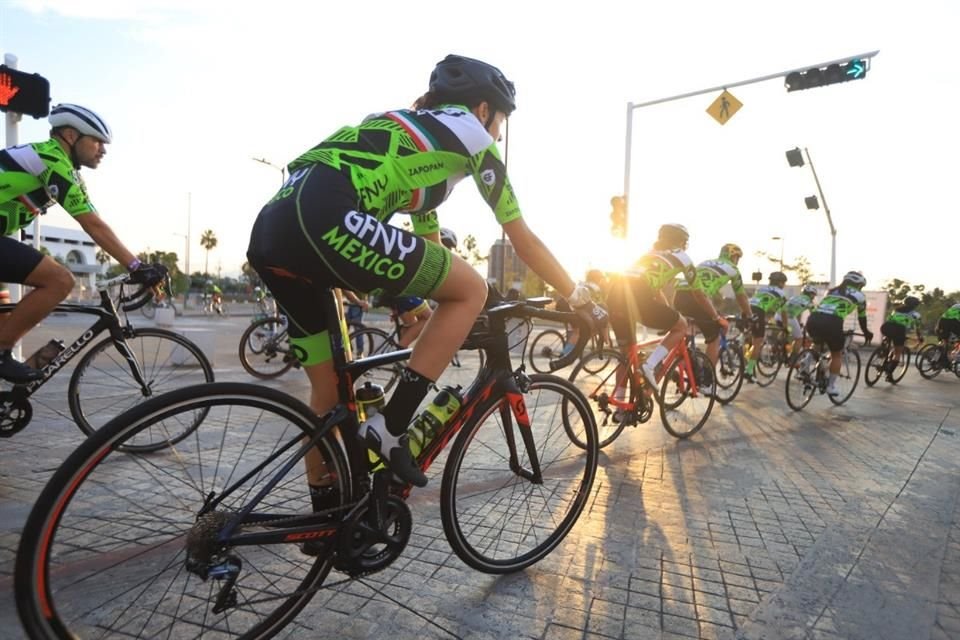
(768, 364)
(876, 364)
(902, 366)
(849, 376)
(486, 506)
(545, 347)
(597, 383)
(729, 373)
(149, 310)
(373, 341)
(802, 380)
(267, 356)
(928, 361)
(127, 574)
(102, 386)
(675, 393)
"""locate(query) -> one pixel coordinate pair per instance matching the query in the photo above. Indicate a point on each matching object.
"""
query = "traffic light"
(26, 93)
(795, 157)
(618, 216)
(812, 202)
(855, 69)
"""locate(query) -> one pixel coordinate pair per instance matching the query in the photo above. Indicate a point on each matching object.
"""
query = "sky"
(195, 90)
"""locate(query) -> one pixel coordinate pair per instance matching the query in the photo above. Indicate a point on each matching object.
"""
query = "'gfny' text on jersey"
(364, 236)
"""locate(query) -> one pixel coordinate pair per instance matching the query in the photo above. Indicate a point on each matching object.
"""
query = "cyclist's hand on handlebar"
(867, 337)
(594, 314)
(149, 275)
(724, 323)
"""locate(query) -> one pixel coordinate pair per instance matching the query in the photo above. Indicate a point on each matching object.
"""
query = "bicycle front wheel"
(498, 515)
(602, 376)
(130, 546)
(265, 351)
(902, 366)
(875, 365)
(848, 377)
(729, 373)
(928, 361)
(683, 411)
(546, 346)
(802, 379)
(102, 385)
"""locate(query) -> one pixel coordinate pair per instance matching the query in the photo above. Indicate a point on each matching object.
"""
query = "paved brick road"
(837, 522)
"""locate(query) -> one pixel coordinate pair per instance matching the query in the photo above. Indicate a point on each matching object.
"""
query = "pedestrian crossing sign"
(724, 107)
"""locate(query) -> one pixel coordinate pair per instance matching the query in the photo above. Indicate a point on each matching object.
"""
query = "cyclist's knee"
(52, 276)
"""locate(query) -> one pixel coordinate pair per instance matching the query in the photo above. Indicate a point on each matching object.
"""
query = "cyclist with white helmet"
(795, 307)
(637, 296)
(765, 303)
(327, 227)
(825, 323)
(35, 177)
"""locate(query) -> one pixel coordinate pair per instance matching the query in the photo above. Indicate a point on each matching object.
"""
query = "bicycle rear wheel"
(546, 346)
(105, 549)
(802, 379)
(729, 373)
(848, 377)
(265, 351)
(682, 411)
(102, 385)
(598, 376)
(928, 361)
(497, 520)
(902, 366)
(768, 364)
(371, 341)
(875, 366)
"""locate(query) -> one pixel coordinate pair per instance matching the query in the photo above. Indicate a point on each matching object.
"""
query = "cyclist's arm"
(103, 235)
(538, 257)
(705, 302)
(744, 302)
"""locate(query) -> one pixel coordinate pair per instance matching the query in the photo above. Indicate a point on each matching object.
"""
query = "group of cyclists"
(327, 227)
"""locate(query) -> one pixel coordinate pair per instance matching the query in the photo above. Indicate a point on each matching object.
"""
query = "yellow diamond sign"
(724, 107)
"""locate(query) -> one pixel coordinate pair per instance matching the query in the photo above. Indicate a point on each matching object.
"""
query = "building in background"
(77, 251)
(504, 262)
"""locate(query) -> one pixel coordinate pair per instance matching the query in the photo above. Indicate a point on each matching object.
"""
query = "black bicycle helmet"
(911, 302)
(448, 238)
(778, 278)
(458, 78)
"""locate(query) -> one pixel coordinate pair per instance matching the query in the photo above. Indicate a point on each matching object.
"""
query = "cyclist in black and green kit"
(904, 318)
(795, 307)
(327, 228)
(825, 323)
(766, 302)
(34, 177)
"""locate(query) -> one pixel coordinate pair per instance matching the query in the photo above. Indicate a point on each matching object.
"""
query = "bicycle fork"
(120, 342)
(515, 412)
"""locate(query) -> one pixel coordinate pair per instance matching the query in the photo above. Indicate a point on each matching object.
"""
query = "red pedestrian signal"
(26, 93)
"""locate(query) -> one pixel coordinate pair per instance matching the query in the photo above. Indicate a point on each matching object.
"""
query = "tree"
(208, 241)
(468, 251)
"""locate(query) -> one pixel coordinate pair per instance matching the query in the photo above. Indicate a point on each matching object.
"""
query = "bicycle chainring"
(15, 413)
(645, 408)
(363, 548)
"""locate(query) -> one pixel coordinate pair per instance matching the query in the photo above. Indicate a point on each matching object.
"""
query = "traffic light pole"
(770, 76)
(833, 229)
(12, 139)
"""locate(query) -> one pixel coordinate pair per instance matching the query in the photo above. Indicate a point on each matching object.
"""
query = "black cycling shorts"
(895, 331)
(685, 303)
(758, 327)
(828, 328)
(17, 260)
(946, 326)
(631, 300)
(311, 237)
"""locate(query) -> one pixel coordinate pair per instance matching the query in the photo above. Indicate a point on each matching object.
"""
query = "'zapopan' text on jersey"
(953, 313)
(797, 305)
(34, 177)
(713, 274)
(842, 301)
(769, 298)
(909, 319)
(409, 161)
(658, 268)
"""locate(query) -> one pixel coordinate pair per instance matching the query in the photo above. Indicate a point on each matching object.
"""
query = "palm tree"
(208, 241)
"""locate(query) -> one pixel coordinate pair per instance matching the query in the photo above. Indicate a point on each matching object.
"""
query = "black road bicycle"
(122, 370)
(881, 363)
(206, 538)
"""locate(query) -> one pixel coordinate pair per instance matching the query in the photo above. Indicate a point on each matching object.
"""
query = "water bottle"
(434, 419)
(370, 402)
(45, 354)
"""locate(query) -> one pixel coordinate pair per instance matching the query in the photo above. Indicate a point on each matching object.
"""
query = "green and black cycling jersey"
(842, 301)
(769, 299)
(658, 268)
(953, 313)
(712, 275)
(909, 320)
(34, 177)
(410, 161)
(797, 304)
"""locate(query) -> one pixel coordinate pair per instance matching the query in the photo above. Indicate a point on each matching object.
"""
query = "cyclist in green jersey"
(825, 323)
(34, 177)
(327, 227)
(766, 302)
(794, 308)
(904, 318)
(949, 323)
(696, 302)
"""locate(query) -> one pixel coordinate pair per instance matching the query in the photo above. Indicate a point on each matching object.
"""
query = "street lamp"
(282, 170)
(795, 160)
(781, 249)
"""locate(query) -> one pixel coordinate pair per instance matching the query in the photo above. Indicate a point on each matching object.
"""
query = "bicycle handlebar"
(135, 300)
(533, 308)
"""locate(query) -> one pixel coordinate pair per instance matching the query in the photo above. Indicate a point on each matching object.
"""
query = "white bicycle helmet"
(855, 279)
(84, 120)
(810, 290)
(448, 238)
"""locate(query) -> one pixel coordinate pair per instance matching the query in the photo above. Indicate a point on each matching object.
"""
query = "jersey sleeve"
(426, 222)
(491, 177)
(736, 282)
(68, 188)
